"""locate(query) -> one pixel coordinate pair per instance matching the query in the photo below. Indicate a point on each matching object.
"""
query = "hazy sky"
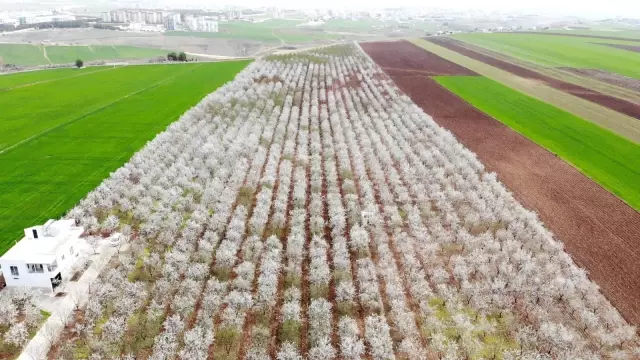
(598, 8)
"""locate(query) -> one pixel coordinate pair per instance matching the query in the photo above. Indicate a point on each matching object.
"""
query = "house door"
(55, 281)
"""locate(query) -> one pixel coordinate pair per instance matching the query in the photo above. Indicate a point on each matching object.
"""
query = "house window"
(35, 268)
(14, 271)
(35, 233)
(71, 250)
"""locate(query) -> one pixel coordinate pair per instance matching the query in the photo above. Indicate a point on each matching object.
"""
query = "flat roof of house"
(42, 250)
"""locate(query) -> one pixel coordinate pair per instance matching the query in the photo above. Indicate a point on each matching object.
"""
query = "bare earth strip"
(615, 88)
(580, 35)
(623, 47)
(607, 77)
(621, 124)
(600, 232)
(611, 102)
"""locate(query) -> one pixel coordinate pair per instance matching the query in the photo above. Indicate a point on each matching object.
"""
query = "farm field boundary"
(48, 174)
(632, 48)
(621, 124)
(30, 55)
(621, 99)
(560, 51)
(600, 231)
(584, 35)
(608, 159)
(602, 76)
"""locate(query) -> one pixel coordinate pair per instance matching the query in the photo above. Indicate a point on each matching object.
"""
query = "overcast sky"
(597, 8)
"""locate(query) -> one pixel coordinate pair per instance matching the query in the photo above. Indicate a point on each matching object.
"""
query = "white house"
(43, 255)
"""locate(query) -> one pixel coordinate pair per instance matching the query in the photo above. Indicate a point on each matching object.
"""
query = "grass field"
(79, 129)
(621, 124)
(36, 77)
(22, 54)
(67, 54)
(608, 159)
(29, 55)
(570, 51)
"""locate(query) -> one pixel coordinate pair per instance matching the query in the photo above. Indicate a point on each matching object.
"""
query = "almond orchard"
(308, 209)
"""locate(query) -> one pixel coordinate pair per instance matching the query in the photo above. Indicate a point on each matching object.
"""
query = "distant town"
(208, 20)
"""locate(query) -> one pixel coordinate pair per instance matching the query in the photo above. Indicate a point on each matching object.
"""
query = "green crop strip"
(608, 159)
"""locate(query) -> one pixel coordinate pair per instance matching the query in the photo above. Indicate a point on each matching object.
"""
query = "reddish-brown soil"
(623, 47)
(402, 56)
(601, 233)
(580, 35)
(608, 77)
(611, 102)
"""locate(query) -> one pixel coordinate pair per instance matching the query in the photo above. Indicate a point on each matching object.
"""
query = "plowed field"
(404, 57)
(600, 232)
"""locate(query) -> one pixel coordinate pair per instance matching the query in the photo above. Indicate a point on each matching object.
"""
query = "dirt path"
(44, 52)
(282, 42)
(601, 233)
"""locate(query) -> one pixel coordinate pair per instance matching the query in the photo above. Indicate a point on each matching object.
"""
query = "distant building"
(191, 22)
(118, 16)
(207, 24)
(38, 19)
(172, 21)
(106, 16)
(201, 23)
(45, 252)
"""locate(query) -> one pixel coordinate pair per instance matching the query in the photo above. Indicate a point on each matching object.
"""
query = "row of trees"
(19, 316)
(309, 208)
(172, 56)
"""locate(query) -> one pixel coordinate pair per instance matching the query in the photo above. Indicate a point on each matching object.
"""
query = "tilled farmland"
(403, 56)
(309, 209)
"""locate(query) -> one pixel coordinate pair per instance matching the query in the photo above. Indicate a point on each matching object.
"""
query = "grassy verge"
(610, 160)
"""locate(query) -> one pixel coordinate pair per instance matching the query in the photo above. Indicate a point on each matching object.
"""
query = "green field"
(68, 54)
(608, 159)
(570, 51)
(35, 77)
(29, 55)
(22, 54)
(76, 130)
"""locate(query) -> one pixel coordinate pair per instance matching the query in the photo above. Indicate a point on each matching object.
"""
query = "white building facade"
(43, 255)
